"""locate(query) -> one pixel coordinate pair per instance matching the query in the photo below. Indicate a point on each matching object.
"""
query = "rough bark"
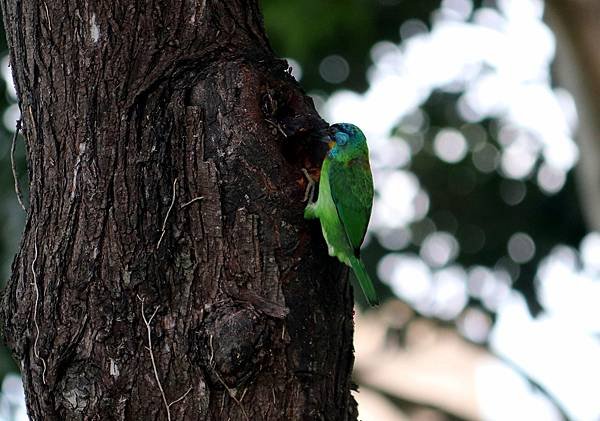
(133, 111)
(575, 24)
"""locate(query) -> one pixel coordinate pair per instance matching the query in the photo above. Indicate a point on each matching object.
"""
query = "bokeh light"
(334, 69)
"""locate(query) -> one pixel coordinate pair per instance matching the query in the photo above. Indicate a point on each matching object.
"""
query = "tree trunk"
(166, 271)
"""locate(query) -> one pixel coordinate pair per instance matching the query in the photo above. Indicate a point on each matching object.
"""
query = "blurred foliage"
(462, 199)
(310, 30)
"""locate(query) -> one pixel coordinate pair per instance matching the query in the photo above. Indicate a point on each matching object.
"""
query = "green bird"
(345, 200)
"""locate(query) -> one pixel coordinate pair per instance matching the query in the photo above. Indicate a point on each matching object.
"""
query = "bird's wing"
(351, 187)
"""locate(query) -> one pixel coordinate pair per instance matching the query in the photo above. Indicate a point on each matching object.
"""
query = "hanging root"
(147, 322)
(35, 306)
(14, 166)
(164, 225)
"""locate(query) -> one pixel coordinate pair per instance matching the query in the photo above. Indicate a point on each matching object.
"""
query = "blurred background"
(484, 238)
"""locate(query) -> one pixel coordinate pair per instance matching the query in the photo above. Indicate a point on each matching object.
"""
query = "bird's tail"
(364, 281)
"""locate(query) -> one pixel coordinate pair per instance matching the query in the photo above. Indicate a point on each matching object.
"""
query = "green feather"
(352, 193)
(364, 281)
(345, 200)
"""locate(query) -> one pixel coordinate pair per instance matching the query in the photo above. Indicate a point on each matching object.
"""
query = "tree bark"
(166, 271)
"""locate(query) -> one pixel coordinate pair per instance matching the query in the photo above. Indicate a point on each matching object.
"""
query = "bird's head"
(342, 135)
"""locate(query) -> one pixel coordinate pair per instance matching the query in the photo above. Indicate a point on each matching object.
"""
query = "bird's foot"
(309, 193)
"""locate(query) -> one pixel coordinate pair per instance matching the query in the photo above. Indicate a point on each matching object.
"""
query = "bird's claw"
(309, 193)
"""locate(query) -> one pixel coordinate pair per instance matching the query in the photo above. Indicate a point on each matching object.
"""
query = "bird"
(345, 199)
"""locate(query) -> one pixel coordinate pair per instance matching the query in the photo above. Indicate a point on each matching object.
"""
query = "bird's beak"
(326, 136)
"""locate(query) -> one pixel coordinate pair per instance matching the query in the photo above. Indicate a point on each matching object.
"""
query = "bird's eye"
(341, 138)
